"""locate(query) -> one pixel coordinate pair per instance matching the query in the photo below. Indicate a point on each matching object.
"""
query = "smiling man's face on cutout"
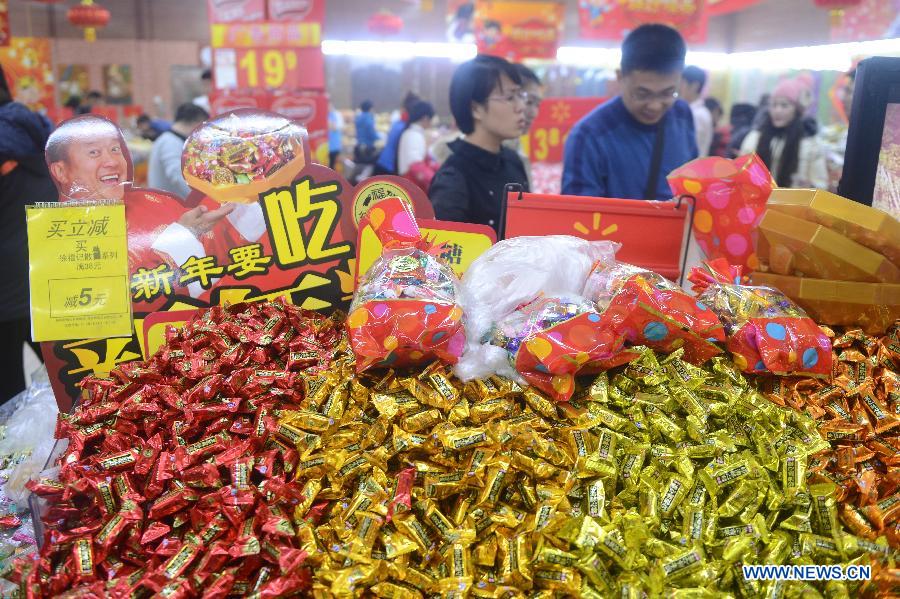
(93, 168)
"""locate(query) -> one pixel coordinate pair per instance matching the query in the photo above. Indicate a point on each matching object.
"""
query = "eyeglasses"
(533, 100)
(644, 96)
(519, 96)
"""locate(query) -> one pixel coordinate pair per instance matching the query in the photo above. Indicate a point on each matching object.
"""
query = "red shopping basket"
(653, 235)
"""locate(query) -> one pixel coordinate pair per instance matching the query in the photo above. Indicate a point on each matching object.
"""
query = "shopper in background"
(335, 134)
(92, 99)
(164, 170)
(721, 132)
(626, 147)
(741, 120)
(152, 128)
(206, 82)
(535, 95)
(413, 145)
(387, 159)
(366, 136)
(488, 103)
(24, 179)
(693, 80)
(785, 141)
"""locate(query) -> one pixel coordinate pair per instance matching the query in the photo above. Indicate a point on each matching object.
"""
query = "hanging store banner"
(608, 20)
(5, 35)
(28, 65)
(722, 7)
(269, 68)
(262, 221)
(519, 30)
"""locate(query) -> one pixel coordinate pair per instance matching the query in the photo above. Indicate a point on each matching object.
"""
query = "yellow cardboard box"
(803, 248)
(873, 228)
(872, 306)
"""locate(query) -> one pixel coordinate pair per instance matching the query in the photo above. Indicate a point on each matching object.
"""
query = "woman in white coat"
(413, 145)
(787, 142)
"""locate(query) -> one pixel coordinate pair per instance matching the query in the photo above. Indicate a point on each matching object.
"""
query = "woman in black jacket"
(24, 179)
(488, 103)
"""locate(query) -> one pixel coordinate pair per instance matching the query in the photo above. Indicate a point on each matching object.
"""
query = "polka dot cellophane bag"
(731, 198)
(766, 331)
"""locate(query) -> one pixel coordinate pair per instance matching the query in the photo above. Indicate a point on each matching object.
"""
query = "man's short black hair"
(473, 82)
(527, 75)
(94, 95)
(190, 113)
(366, 106)
(206, 75)
(653, 47)
(694, 74)
(492, 24)
(143, 119)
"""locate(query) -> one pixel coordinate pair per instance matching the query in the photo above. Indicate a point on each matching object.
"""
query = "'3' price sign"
(269, 68)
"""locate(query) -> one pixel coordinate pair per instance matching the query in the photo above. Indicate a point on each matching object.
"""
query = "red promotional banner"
(230, 11)
(5, 35)
(265, 35)
(547, 136)
(601, 19)
(296, 10)
(723, 7)
(517, 30)
(269, 68)
(262, 221)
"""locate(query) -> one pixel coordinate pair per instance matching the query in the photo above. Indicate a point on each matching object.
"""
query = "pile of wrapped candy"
(592, 439)
(858, 414)
(246, 458)
(226, 157)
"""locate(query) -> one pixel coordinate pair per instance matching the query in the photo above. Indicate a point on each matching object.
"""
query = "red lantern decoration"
(836, 8)
(385, 23)
(89, 16)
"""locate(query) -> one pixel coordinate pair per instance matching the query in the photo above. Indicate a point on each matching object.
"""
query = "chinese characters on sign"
(602, 19)
(79, 272)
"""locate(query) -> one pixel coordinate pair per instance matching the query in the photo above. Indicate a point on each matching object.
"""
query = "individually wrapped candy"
(406, 308)
(766, 331)
(552, 339)
(650, 310)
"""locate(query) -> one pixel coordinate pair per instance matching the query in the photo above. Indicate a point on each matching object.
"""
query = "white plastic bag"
(511, 274)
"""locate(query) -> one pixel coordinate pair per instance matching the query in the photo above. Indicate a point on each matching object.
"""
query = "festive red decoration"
(836, 7)
(89, 16)
(385, 23)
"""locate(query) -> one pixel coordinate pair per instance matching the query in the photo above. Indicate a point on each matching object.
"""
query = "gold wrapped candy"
(657, 479)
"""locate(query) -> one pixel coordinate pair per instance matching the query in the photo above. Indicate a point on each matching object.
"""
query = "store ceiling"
(772, 23)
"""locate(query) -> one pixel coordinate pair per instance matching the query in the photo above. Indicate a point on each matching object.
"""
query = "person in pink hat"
(786, 142)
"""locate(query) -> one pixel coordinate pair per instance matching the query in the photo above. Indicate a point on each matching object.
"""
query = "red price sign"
(269, 68)
(547, 137)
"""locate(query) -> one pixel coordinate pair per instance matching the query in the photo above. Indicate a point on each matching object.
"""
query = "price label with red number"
(547, 137)
(269, 68)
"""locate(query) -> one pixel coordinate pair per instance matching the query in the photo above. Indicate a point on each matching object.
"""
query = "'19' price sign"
(269, 68)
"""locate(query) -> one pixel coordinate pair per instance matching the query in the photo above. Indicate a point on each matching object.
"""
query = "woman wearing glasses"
(488, 104)
(625, 147)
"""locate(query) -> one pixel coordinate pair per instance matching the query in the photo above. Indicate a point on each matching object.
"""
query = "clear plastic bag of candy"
(766, 331)
(511, 274)
(406, 308)
(650, 310)
(555, 338)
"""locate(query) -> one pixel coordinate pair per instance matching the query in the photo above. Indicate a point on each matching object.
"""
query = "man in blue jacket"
(625, 147)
